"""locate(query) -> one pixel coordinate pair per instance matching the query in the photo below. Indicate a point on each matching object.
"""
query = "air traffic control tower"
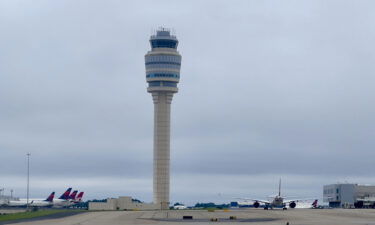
(163, 64)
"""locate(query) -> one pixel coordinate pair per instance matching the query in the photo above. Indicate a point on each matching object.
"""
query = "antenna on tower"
(173, 32)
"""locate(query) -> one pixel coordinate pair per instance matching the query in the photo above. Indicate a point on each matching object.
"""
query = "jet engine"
(256, 204)
(292, 205)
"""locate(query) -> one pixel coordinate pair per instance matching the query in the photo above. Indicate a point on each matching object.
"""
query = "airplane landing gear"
(284, 208)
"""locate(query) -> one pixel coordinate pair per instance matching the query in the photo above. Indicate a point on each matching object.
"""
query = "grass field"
(34, 214)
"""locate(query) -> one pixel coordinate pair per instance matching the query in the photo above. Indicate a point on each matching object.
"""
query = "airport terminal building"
(349, 195)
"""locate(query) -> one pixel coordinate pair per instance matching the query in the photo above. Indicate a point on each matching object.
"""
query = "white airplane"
(179, 207)
(277, 201)
(308, 204)
(63, 200)
(79, 197)
(32, 202)
(67, 199)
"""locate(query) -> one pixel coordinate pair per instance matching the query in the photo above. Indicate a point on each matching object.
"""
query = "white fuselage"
(278, 201)
(179, 207)
(32, 202)
(61, 202)
(39, 203)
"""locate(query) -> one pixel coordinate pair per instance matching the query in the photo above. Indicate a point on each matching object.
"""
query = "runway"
(247, 216)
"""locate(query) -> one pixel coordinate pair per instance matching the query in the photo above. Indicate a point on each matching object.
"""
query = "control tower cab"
(163, 62)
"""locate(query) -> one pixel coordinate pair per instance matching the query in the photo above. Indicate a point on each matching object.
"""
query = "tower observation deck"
(163, 64)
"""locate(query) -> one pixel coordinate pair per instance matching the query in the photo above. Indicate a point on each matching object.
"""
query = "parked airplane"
(66, 194)
(63, 199)
(277, 201)
(32, 202)
(179, 207)
(73, 195)
(79, 197)
(67, 199)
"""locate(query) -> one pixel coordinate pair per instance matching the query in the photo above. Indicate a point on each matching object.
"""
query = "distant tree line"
(211, 205)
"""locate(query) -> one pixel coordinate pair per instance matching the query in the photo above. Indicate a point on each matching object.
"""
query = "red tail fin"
(80, 196)
(315, 203)
(50, 197)
(73, 195)
(66, 194)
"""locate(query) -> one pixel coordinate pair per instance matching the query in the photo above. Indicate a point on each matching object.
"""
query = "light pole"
(28, 179)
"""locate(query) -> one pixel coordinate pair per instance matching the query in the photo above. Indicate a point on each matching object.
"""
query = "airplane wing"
(255, 200)
(262, 201)
(297, 200)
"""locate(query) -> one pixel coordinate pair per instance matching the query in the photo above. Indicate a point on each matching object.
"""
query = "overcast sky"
(268, 89)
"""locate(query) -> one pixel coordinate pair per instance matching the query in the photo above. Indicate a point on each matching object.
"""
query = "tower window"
(162, 75)
(169, 84)
(160, 43)
(154, 84)
(163, 62)
(162, 83)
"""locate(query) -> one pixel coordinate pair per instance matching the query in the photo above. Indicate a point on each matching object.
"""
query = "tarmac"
(240, 216)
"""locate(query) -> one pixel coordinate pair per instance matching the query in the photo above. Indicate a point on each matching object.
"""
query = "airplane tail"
(66, 194)
(73, 195)
(79, 197)
(50, 197)
(315, 203)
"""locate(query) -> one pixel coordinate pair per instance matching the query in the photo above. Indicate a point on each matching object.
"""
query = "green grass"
(33, 214)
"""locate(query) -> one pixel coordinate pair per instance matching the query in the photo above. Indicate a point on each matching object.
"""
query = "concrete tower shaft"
(163, 64)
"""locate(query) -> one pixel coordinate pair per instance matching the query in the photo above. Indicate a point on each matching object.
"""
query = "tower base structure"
(162, 112)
